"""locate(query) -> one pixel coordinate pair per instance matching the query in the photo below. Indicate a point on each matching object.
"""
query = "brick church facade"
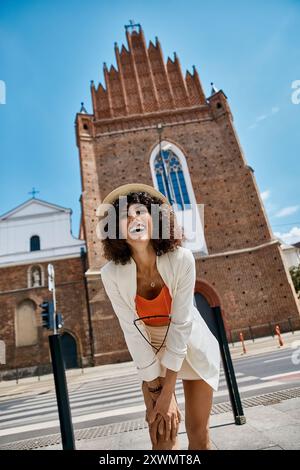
(149, 111)
(244, 270)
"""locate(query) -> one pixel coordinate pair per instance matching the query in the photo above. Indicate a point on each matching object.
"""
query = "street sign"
(2, 352)
(51, 278)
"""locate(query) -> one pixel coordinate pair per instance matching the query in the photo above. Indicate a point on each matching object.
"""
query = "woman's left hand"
(166, 406)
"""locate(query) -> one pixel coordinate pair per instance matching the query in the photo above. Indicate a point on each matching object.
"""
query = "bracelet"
(155, 390)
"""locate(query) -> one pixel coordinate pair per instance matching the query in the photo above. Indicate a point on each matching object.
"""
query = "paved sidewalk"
(265, 345)
(269, 426)
(275, 427)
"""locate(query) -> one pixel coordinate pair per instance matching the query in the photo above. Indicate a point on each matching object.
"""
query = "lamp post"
(168, 182)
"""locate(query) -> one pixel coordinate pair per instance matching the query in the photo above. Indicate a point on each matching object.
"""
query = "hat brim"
(133, 188)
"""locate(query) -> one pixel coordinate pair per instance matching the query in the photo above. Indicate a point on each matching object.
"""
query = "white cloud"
(287, 211)
(293, 236)
(274, 110)
(265, 194)
(263, 117)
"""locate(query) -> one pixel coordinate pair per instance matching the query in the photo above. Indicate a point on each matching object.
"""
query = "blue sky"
(51, 49)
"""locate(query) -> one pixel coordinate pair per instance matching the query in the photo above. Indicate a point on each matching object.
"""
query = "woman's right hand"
(167, 407)
(159, 425)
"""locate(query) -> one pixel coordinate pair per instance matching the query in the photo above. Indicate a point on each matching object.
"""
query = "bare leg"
(198, 402)
(162, 443)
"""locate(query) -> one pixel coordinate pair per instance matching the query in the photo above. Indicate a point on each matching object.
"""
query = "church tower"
(148, 105)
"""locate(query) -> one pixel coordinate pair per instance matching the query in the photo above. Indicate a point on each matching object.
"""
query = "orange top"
(160, 305)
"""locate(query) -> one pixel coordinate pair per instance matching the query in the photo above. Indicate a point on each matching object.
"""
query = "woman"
(150, 280)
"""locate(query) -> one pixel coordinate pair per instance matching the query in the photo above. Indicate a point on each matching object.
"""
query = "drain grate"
(136, 424)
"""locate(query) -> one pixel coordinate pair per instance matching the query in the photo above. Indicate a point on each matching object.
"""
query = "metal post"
(62, 397)
(231, 338)
(271, 329)
(234, 395)
(251, 333)
(167, 181)
(291, 326)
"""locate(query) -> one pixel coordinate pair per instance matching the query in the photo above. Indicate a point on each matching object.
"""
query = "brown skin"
(165, 406)
(162, 412)
(157, 429)
(198, 397)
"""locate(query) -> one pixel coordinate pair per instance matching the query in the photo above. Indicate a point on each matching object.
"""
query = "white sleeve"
(182, 317)
(146, 362)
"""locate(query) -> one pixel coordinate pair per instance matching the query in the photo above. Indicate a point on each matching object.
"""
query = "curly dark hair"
(118, 250)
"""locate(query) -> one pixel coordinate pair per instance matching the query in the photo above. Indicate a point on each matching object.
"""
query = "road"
(96, 402)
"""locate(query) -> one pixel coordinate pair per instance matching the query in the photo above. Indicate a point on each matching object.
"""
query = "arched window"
(35, 243)
(170, 178)
(26, 327)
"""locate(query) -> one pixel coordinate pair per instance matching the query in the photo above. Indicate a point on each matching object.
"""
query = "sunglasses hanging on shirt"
(150, 317)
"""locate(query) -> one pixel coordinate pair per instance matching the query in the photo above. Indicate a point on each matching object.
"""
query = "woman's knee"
(161, 442)
(164, 444)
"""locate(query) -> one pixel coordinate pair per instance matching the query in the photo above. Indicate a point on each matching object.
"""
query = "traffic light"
(59, 321)
(47, 314)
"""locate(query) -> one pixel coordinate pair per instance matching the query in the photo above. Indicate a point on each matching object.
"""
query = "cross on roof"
(33, 192)
(132, 25)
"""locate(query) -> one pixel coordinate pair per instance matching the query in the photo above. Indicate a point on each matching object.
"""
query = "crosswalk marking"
(257, 386)
(278, 376)
(283, 358)
(106, 413)
(90, 402)
(248, 378)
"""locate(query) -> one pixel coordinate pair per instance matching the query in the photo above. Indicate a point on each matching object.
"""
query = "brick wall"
(71, 302)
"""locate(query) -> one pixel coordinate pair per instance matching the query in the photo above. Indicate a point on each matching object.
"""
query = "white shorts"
(157, 334)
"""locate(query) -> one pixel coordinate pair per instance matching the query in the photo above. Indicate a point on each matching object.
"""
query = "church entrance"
(205, 311)
(205, 298)
(69, 351)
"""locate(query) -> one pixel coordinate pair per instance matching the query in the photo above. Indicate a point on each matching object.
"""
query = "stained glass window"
(170, 178)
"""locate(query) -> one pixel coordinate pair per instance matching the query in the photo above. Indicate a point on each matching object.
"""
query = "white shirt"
(188, 337)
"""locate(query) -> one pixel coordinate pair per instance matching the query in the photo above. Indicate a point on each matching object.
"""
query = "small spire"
(213, 89)
(82, 109)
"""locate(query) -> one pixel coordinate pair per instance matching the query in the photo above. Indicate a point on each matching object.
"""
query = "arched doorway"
(205, 311)
(205, 298)
(69, 351)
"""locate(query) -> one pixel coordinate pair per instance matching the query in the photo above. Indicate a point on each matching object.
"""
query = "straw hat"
(133, 188)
